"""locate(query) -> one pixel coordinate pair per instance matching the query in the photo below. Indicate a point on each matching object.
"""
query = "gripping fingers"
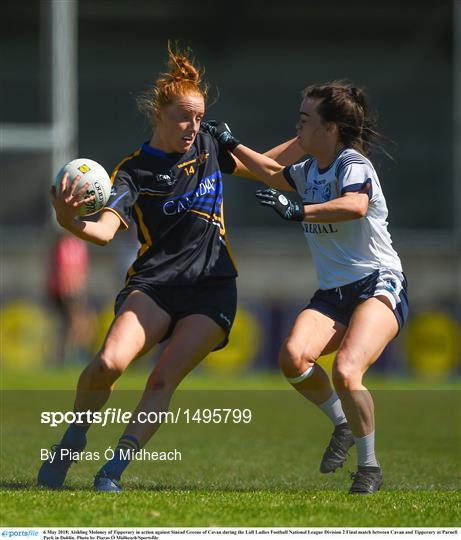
(208, 123)
(80, 196)
(73, 185)
(64, 179)
(84, 201)
(81, 192)
(210, 126)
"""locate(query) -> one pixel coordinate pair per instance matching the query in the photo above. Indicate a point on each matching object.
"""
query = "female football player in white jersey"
(181, 286)
(362, 300)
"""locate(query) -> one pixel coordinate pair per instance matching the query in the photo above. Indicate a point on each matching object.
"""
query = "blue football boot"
(53, 473)
(102, 482)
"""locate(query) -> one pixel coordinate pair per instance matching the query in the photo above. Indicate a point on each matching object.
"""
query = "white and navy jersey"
(347, 251)
(176, 202)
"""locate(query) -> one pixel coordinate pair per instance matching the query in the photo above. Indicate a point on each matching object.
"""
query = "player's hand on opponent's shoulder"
(287, 209)
(67, 200)
(222, 133)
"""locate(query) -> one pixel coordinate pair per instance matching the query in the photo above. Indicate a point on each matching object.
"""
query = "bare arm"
(284, 154)
(262, 166)
(287, 153)
(67, 202)
(246, 160)
(99, 232)
(346, 208)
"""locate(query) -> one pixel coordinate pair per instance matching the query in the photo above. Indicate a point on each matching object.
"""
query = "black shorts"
(339, 303)
(217, 299)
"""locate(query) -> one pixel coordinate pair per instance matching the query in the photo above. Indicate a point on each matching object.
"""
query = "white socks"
(333, 409)
(365, 445)
(366, 450)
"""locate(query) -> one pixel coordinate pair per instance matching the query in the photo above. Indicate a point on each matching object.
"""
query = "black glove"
(290, 210)
(222, 133)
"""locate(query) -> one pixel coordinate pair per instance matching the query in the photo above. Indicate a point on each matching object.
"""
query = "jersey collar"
(325, 169)
(156, 152)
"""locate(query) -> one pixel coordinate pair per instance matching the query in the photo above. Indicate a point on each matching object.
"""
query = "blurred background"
(71, 72)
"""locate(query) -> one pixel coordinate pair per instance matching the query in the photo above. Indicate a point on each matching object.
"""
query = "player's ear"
(332, 127)
(156, 116)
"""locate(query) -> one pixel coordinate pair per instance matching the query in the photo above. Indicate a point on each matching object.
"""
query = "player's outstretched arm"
(261, 165)
(66, 203)
(348, 207)
(286, 153)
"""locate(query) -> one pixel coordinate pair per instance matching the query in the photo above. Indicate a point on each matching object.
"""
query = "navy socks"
(114, 468)
(75, 436)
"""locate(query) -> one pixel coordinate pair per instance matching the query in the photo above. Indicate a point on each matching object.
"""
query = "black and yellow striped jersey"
(176, 201)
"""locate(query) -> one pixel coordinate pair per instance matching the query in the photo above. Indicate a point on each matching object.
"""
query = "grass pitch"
(262, 474)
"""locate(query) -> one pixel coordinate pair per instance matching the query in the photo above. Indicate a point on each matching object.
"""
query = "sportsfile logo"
(113, 415)
(19, 533)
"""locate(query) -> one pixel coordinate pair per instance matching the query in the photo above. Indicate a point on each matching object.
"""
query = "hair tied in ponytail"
(183, 77)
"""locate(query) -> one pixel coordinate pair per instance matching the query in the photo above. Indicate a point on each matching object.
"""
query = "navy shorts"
(217, 299)
(339, 303)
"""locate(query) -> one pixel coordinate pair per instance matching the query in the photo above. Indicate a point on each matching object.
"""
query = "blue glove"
(289, 210)
(222, 133)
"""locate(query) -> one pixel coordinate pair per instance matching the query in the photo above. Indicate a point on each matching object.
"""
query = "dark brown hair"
(346, 105)
(183, 77)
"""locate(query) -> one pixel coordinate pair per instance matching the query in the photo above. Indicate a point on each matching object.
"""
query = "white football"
(87, 171)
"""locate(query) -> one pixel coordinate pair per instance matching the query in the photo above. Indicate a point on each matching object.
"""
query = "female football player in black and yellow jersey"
(182, 286)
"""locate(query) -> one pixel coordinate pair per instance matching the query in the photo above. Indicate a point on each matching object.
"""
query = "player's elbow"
(362, 204)
(361, 211)
(101, 241)
(356, 204)
(359, 207)
(106, 235)
(98, 241)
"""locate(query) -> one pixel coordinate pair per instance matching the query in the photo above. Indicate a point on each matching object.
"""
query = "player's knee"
(345, 374)
(108, 364)
(160, 381)
(295, 358)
